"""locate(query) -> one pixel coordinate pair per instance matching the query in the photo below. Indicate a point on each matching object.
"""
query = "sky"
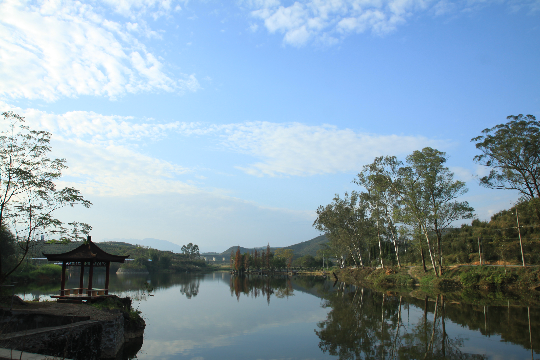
(230, 122)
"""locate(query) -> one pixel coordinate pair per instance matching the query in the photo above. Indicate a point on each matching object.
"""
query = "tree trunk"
(352, 255)
(359, 255)
(394, 240)
(479, 251)
(520, 241)
(380, 245)
(431, 253)
(423, 259)
(439, 250)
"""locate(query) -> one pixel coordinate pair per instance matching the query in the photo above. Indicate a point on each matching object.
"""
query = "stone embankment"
(75, 331)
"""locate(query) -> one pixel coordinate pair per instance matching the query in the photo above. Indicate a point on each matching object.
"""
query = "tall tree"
(379, 178)
(347, 226)
(28, 193)
(429, 193)
(238, 266)
(268, 253)
(512, 152)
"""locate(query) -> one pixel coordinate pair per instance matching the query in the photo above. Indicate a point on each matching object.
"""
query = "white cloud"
(102, 157)
(54, 49)
(318, 20)
(94, 128)
(118, 171)
(138, 8)
(299, 150)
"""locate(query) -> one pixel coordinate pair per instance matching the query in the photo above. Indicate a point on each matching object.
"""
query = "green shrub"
(49, 270)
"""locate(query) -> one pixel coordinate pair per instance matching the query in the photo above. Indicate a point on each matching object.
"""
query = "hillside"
(116, 248)
(308, 247)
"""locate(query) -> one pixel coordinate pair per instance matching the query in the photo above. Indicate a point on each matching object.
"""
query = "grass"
(116, 303)
(474, 285)
(459, 277)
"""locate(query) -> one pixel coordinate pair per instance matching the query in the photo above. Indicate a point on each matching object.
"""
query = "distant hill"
(308, 247)
(162, 245)
(112, 247)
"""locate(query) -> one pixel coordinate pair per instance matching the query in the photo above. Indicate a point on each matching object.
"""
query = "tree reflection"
(191, 288)
(266, 286)
(367, 325)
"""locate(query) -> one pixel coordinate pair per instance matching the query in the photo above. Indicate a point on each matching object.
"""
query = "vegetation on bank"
(133, 320)
(515, 278)
(403, 211)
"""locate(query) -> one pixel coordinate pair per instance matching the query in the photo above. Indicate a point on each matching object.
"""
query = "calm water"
(219, 316)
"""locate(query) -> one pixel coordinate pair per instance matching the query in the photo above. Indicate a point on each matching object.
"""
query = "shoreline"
(469, 284)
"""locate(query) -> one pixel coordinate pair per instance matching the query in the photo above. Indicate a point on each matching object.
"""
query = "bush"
(49, 270)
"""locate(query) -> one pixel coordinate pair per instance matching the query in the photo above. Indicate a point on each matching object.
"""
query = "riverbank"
(81, 331)
(474, 284)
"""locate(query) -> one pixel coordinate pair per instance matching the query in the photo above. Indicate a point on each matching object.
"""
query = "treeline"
(155, 260)
(280, 259)
(264, 260)
(499, 241)
(404, 210)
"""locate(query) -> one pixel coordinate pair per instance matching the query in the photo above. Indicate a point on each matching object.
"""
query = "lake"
(221, 316)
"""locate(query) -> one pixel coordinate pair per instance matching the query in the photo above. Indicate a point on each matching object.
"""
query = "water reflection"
(363, 324)
(265, 286)
(190, 289)
(220, 315)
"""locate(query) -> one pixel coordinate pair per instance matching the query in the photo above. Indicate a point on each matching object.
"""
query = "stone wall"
(81, 340)
(14, 321)
(112, 337)
(74, 337)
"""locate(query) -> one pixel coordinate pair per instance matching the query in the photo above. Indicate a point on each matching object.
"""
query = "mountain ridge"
(308, 247)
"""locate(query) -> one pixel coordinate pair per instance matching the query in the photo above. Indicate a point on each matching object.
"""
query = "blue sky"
(229, 123)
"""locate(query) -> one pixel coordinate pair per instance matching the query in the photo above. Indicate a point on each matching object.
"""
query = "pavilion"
(89, 255)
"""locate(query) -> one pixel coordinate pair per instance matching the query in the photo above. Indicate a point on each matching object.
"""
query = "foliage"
(191, 251)
(8, 248)
(428, 190)
(498, 239)
(379, 180)
(399, 203)
(28, 194)
(512, 152)
(283, 258)
(347, 226)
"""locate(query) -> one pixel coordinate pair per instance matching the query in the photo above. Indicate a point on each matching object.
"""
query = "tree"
(512, 152)
(191, 251)
(347, 227)
(378, 179)
(8, 248)
(238, 265)
(428, 191)
(28, 194)
(284, 256)
(324, 252)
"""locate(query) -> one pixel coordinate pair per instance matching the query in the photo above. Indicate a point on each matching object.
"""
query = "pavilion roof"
(86, 252)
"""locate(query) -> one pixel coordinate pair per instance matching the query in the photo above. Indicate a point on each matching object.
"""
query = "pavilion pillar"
(81, 280)
(63, 279)
(107, 268)
(90, 275)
